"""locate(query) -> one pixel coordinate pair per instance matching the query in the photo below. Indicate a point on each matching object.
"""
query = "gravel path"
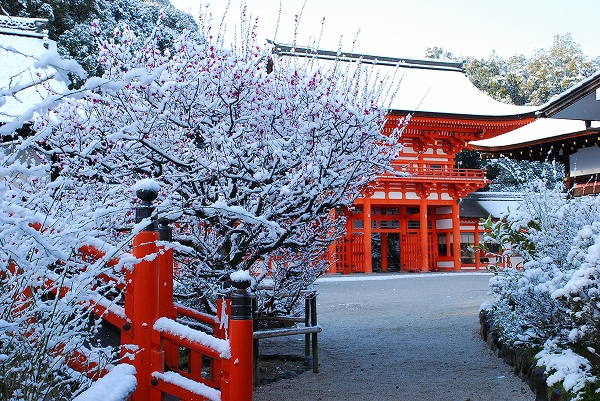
(398, 337)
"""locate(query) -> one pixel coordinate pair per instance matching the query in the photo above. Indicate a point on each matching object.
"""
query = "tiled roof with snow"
(22, 42)
(428, 86)
(483, 204)
(543, 128)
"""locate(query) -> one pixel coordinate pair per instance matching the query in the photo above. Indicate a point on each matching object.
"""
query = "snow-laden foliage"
(551, 302)
(252, 162)
(515, 176)
(45, 288)
(69, 22)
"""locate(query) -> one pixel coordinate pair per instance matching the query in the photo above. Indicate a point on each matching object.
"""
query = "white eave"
(543, 128)
(429, 86)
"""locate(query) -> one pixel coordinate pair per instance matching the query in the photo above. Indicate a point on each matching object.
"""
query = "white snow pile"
(190, 385)
(241, 276)
(117, 385)
(146, 184)
(573, 370)
(166, 325)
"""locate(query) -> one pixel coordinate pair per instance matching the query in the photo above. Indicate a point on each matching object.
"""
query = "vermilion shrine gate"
(410, 220)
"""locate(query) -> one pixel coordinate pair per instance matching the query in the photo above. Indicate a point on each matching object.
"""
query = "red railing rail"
(443, 173)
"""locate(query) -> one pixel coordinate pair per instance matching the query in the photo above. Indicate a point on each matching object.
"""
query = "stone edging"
(523, 365)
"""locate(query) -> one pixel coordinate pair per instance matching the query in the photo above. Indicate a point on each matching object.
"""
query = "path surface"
(399, 337)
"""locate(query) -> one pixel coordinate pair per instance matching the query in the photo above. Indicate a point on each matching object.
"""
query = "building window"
(389, 224)
(414, 224)
(442, 240)
(467, 248)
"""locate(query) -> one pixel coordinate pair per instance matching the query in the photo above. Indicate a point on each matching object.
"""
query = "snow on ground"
(394, 276)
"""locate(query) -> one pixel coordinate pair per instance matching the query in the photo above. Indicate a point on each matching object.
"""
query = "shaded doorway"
(386, 252)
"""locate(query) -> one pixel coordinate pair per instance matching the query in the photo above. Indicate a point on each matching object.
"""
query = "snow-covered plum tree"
(46, 289)
(252, 162)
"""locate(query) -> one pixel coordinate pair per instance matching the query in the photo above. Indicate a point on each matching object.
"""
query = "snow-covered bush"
(254, 161)
(551, 303)
(46, 327)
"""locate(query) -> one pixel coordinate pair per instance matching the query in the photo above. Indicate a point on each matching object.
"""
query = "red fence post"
(241, 340)
(166, 308)
(143, 297)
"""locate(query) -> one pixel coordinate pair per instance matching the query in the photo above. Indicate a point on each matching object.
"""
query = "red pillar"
(456, 234)
(241, 339)
(424, 236)
(332, 254)
(384, 252)
(347, 263)
(367, 245)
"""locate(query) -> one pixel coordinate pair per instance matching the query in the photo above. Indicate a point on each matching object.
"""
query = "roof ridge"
(431, 64)
(35, 27)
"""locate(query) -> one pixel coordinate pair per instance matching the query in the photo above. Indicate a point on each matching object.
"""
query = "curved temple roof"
(22, 42)
(428, 86)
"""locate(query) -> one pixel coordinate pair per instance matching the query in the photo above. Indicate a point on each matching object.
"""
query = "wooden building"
(410, 219)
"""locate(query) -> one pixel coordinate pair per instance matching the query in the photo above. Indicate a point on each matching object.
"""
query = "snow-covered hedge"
(551, 304)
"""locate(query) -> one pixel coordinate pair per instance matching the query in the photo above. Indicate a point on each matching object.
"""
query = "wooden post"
(144, 299)
(456, 234)
(313, 322)
(423, 233)
(306, 324)
(367, 245)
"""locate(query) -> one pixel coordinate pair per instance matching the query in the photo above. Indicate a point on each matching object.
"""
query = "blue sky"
(407, 28)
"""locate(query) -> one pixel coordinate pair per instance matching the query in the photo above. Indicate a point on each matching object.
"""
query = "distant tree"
(501, 79)
(70, 23)
(438, 53)
(468, 159)
(522, 81)
(556, 69)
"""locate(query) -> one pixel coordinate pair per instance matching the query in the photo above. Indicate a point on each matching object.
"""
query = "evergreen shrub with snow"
(551, 304)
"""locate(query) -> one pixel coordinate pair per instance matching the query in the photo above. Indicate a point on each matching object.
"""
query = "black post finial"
(241, 299)
(147, 191)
